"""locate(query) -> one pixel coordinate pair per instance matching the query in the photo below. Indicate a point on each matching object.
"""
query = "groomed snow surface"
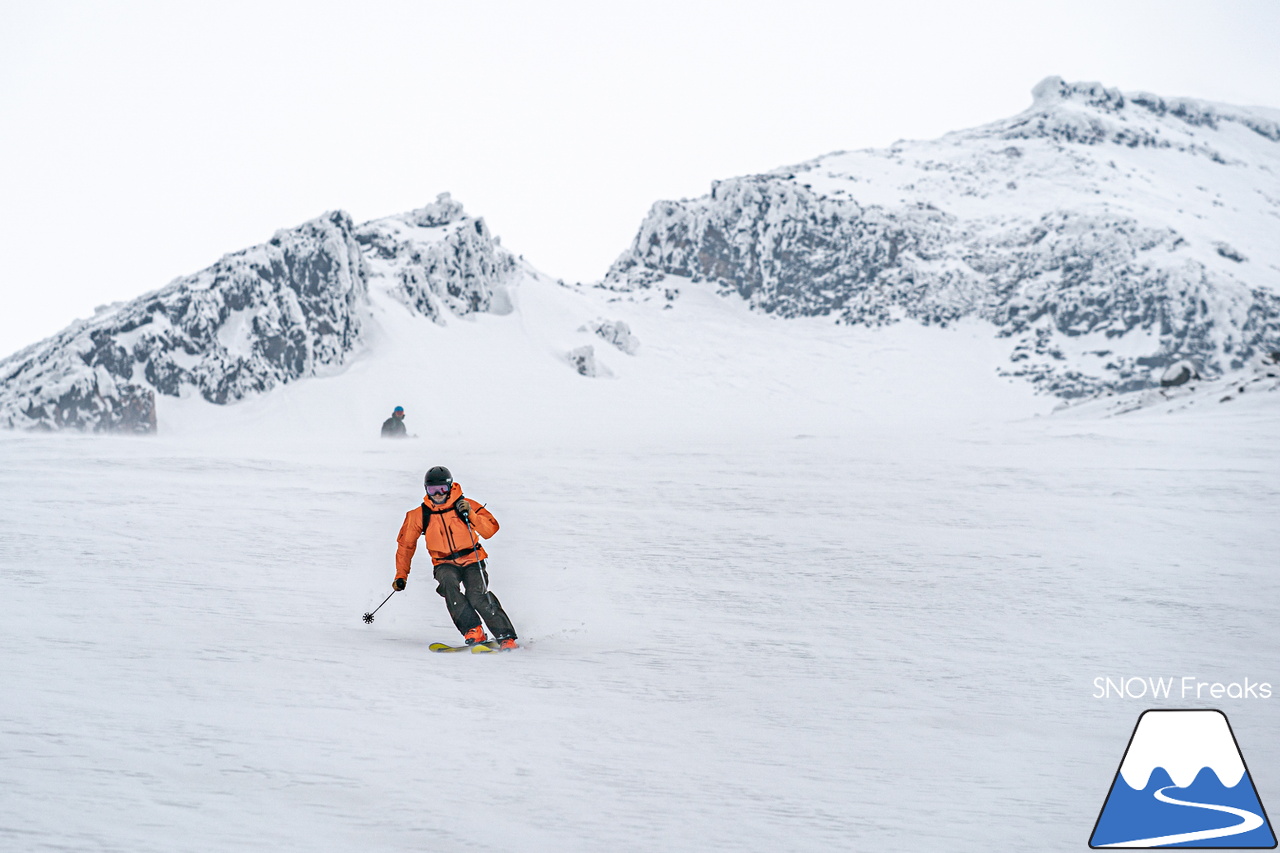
(783, 585)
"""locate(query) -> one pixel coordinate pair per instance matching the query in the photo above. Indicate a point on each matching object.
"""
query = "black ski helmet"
(438, 476)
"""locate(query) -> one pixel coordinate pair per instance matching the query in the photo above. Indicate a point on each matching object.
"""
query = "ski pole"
(466, 519)
(368, 617)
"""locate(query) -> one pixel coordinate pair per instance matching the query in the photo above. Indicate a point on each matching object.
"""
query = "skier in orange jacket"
(452, 527)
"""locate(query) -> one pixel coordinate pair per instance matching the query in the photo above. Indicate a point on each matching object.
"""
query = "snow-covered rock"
(583, 360)
(256, 318)
(1259, 379)
(615, 332)
(290, 308)
(1178, 373)
(440, 258)
(1106, 235)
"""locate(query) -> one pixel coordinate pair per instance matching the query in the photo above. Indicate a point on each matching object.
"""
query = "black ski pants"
(466, 607)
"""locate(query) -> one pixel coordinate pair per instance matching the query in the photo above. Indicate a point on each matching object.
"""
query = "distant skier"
(393, 427)
(450, 524)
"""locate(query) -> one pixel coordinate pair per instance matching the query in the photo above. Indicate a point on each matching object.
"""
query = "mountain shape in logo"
(1183, 783)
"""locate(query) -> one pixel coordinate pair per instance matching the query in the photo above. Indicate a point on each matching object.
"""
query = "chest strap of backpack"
(449, 558)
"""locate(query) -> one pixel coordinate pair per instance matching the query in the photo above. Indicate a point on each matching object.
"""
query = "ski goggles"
(436, 491)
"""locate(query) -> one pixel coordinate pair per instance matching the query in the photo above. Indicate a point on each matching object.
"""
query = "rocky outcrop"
(290, 308)
(785, 249)
(1092, 114)
(616, 333)
(583, 360)
(1076, 229)
(440, 260)
(92, 400)
(260, 317)
(1185, 390)
(1178, 373)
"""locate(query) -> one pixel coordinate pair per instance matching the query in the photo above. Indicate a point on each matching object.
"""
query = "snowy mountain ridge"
(1106, 240)
(1106, 236)
(1095, 114)
(293, 307)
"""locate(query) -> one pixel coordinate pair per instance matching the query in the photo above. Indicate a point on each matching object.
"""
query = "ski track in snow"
(876, 641)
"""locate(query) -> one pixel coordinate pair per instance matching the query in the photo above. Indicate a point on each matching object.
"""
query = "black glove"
(463, 507)
(398, 583)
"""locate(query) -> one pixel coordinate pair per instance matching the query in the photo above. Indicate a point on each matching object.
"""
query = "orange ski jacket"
(449, 539)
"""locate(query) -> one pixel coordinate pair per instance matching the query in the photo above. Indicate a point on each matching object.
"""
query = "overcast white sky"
(142, 141)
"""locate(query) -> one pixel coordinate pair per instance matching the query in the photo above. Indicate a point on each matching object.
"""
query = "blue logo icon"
(1183, 783)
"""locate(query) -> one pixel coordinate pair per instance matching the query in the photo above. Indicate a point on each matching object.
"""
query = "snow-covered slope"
(783, 585)
(1104, 235)
(293, 307)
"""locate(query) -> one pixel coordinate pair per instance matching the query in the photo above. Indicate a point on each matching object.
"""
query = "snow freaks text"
(1186, 687)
